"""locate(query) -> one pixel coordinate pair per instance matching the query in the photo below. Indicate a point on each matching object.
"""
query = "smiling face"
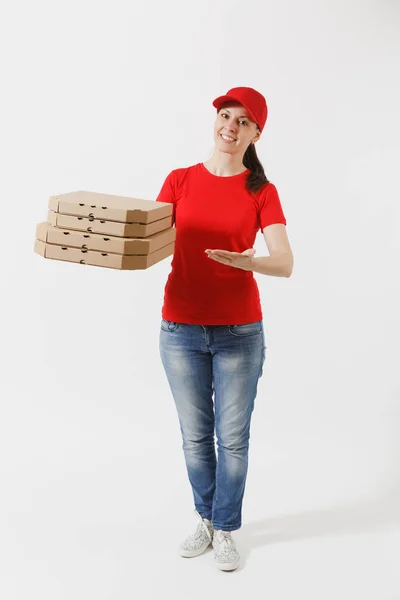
(234, 122)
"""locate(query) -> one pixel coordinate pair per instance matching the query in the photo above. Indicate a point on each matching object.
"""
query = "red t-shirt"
(214, 212)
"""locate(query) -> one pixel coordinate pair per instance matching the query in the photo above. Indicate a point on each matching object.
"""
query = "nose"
(230, 125)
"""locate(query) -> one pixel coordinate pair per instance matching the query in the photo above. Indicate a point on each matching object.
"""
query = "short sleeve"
(167, 193)
(269, 207)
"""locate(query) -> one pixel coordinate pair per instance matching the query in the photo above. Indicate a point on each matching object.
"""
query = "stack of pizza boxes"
(106, 230)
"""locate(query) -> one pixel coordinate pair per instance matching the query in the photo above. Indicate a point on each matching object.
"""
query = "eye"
(241, 120)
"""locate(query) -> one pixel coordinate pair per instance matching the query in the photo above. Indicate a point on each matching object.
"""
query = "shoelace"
(202, 525)
(224, 538)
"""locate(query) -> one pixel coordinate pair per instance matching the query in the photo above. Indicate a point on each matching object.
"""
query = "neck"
(224, 164)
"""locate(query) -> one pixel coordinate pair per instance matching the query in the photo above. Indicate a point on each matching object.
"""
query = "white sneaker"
(225, 553)
(196, 543)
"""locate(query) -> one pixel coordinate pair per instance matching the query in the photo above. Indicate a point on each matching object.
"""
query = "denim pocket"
(169, 325)
(246, 329)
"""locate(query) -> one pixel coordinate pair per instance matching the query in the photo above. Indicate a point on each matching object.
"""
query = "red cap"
(252, 100)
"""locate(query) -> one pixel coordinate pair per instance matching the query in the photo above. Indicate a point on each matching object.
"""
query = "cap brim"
(218, 102)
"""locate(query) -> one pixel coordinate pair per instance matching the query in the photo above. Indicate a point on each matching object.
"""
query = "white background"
(110, 97)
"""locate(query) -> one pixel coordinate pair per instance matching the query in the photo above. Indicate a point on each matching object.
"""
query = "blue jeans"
(227, 361)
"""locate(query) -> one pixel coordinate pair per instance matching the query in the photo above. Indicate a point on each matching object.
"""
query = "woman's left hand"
(239, 260)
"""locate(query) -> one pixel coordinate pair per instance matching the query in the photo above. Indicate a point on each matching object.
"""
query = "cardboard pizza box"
(102, 259)
(104, 243)
(109, 207)
(120, 229)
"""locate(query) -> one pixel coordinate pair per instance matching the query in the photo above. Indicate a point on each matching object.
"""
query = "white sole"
(227, 566)
(193, 553)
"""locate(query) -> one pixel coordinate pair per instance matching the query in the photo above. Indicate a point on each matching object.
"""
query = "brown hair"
(256, 178)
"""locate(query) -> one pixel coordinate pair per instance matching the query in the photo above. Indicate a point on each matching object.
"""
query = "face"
(234, 121)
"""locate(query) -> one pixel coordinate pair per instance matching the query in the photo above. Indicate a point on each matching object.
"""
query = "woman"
(212, 335)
